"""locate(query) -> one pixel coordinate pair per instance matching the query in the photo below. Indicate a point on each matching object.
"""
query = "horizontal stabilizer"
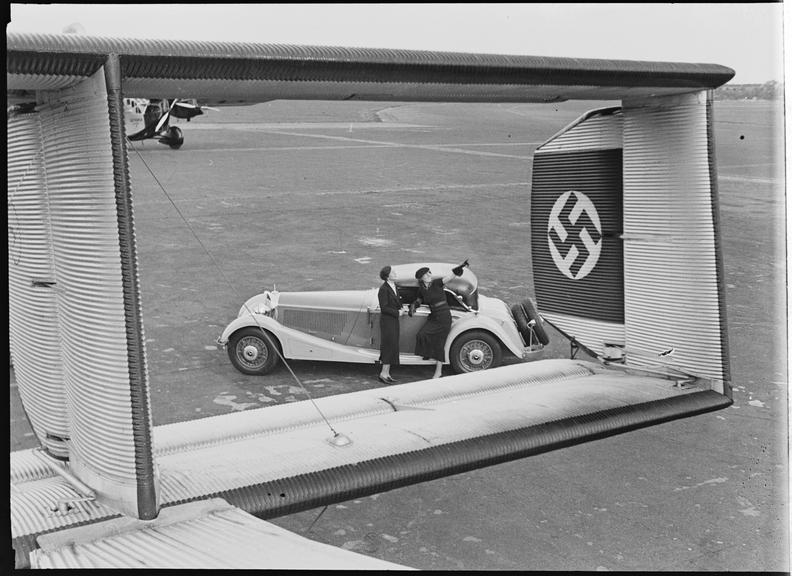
(278, 460)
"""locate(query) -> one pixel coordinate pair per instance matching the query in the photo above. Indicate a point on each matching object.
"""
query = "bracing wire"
(233, 289)
(315, 520)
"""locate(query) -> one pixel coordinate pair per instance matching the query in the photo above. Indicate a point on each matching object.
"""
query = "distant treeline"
(772, 90)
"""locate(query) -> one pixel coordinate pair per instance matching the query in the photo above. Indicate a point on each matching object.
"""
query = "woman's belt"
(438, 306)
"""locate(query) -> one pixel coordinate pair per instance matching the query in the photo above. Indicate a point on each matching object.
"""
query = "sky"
(744, 36)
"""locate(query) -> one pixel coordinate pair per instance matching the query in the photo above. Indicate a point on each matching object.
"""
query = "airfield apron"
(431, 338)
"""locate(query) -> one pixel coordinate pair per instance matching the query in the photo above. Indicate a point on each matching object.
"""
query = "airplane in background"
(154, 116)
(150, 118)
(627, 263)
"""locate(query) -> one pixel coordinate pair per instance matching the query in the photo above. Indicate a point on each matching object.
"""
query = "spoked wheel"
(474, 351)
(251, 352)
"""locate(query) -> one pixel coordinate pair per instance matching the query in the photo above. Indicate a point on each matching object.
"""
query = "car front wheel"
(475, 350)
(251, 352)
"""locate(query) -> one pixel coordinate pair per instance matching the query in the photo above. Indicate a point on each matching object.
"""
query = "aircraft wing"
(226, 73)
(625, 250)
(284, 459)
(207, 534)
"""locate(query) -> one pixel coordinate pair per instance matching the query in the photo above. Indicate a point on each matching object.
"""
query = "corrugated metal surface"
(88, 307)
(41, 82)
(26, 467)
(672, 294)
(32, 316)
(35, 510)
(290, 465)
(601, 130)
(88, 271)
(205, 432)
(254, 72)
(576, 223)
(279, 460)
(202, 535)
(593, 334)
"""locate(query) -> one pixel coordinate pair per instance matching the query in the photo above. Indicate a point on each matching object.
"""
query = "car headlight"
(258, 308)
(262, 308)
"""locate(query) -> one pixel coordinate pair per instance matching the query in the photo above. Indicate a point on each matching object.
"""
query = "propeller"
(164, 118)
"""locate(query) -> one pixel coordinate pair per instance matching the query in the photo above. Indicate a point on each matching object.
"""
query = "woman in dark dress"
(390, 310)
(431, 338)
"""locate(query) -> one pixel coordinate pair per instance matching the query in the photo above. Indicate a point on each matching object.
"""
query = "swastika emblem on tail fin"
(574, 234)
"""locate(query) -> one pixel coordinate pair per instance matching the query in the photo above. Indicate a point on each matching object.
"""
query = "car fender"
(244, 321)
(509, 337)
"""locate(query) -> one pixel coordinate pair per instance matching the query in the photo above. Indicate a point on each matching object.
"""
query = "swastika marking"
(574, 234)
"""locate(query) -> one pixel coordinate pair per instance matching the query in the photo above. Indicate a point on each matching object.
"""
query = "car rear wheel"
(474, 351)
(251, 352)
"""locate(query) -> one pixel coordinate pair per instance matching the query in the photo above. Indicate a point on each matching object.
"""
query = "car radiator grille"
(323, 323)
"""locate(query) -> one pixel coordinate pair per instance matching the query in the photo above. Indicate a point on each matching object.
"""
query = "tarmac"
(313, 195)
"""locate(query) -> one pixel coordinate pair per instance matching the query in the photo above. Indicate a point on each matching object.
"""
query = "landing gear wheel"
(473, 351)
(176, 138)
(251, 352)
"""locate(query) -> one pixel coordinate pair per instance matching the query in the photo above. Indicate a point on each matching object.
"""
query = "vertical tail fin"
(77, 338)
(625, 238)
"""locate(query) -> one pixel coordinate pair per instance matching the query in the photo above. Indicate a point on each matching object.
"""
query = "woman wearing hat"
(390, 310)
(430, 340)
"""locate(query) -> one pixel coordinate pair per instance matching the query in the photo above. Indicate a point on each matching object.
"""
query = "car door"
(408, 328)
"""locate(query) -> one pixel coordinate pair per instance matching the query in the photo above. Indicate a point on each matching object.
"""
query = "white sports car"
(343, 326)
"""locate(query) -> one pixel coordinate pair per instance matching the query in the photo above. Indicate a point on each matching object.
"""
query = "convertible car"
(343, 326)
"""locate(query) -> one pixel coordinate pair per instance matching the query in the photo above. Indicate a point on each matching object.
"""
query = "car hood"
(324, 299)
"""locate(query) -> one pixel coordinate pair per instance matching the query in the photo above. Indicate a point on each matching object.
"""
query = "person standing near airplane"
(430, 340)
(390, 310)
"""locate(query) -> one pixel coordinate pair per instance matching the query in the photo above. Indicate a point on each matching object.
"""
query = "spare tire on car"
(524, 313)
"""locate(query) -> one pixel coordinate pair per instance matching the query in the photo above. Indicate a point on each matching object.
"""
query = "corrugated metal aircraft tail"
(625, 239)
